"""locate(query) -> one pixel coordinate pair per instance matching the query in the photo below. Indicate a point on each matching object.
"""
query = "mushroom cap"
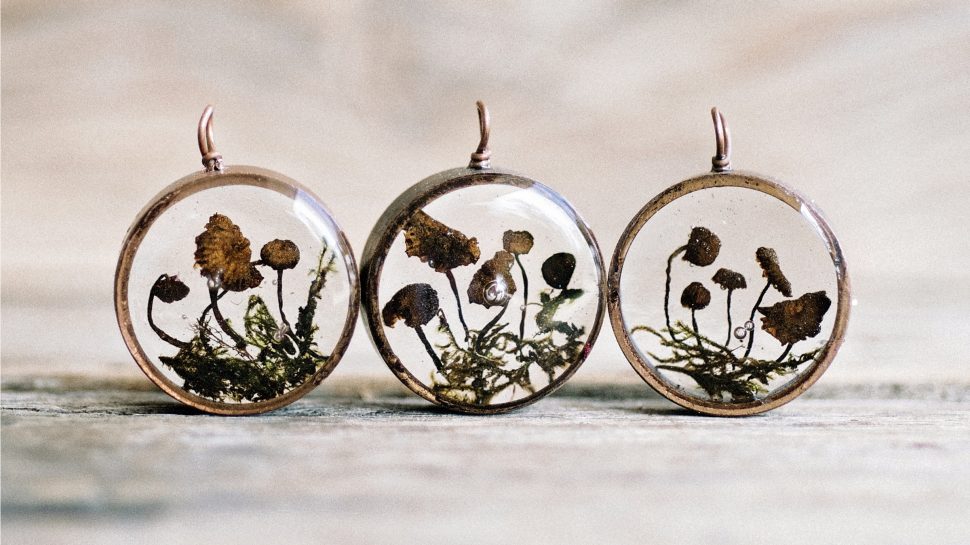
(223, 255)
(768, 259)
(170, 289)
(729, 280)
(438, 245)
(558, 269)
(416, 304)
(695, 296)
(517, 242)
(702, 247)
(280, 254)
(492, 284)
(796, 319)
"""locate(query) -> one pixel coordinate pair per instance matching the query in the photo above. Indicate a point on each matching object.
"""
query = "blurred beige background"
(864, 106)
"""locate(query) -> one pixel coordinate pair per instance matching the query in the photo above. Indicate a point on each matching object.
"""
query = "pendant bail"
(211, 159)
(721, 162)
(481, 159)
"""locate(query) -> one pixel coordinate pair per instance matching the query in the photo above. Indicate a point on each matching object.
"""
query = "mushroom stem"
(489, 325)
(208, 308)
(728, 341)
(697, 333)
(427, 346)
(751, 319)
(279, 297)
(158, 331)
(214, 300)
(670, 264)
(785, 353)
(454, 289)
(525, 299)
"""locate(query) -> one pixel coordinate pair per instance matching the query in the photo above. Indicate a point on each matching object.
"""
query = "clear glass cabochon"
(754, 305)
(487, 292)
(240, 290)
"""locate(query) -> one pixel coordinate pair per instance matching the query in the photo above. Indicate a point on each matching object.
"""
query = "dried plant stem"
(214, 300)
(785, 353)
(208, 307)
(697, 333)
(428, 347)
(670, 264)
(484, 332)
(454, 289)
(525, 297)
(164, 336)
(279, 297)
(751, 319)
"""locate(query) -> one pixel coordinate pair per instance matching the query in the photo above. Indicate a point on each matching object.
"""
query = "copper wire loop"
(721, 161)
(211, 159)
(481, 159)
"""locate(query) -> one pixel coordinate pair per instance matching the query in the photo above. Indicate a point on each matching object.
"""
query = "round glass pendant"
(482, 288)
(236, 292)
(728, 292)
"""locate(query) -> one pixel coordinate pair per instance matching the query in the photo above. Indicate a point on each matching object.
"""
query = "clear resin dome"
(482, 289)
(236, 290)
(732, 295)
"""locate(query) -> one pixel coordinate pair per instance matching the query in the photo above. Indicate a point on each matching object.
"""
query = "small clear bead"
(740, 332)
(749, 325)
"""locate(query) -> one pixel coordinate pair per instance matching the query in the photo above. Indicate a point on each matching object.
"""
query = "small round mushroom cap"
(280, 254)
(438, 245)
(517, 242)
(702, 247)
(558, 270)
(796, 319)
(768, 259)
(729, 280)
(695, 296)
(416, 304)
(492, 284)
(223, 255)
(170, 289)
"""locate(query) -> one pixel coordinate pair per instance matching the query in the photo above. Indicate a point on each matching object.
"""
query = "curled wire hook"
(211, 159)
(481, 159)
(722, 156)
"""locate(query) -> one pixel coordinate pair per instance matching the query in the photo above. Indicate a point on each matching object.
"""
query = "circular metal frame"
(187, 186)
(654, 378)
(391, 223)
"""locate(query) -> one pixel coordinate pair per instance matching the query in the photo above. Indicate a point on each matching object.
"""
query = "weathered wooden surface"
(361, 462)
(863, 106)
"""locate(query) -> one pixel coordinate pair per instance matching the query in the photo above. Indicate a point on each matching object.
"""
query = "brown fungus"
(170, 289)
(695, 296)
(167, 289)
(280, 254)
(558, 270)
(702, 247)
(492, 284)
(768, 259)
(729, 280)
(796, 319)
(517, 242)
(223, 255)
(520, 243)
(438, 245)
(442, 248)
(416, 304)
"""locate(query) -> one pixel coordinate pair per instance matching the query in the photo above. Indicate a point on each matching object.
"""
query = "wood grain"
(361, 462)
